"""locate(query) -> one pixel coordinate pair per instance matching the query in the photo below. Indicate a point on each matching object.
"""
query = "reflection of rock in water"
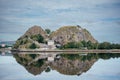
(72, 67)
(36, 67)
(36, 70)
(36, 64)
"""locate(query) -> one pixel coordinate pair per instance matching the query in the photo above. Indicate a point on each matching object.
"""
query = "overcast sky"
(100, 17)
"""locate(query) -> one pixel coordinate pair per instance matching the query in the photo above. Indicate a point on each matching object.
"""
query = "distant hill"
(9, 43)
(36, 37)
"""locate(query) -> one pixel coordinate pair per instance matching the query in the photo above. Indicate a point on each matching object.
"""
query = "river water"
(55, 66)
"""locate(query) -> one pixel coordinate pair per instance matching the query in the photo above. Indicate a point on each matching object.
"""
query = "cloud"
(19, 15)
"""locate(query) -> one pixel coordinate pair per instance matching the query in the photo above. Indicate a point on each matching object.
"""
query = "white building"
(50, 42)
(3, 45)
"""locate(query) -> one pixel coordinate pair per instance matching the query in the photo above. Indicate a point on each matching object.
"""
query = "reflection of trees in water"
(108, 56)
(68, 64)
(91, 56)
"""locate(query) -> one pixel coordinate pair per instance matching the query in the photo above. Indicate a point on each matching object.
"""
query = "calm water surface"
(44, 66)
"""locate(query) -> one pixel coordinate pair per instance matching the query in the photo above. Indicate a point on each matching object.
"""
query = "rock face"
(30, 37)
(71, 34)
(62, 36)
(34, 31)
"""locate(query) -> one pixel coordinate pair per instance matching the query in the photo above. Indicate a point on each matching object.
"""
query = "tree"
(91, 45)
(104, 45)
(79, 45)
(84, 43)
(48, 31)
(38, 38)
(33, 46)
(0, 46)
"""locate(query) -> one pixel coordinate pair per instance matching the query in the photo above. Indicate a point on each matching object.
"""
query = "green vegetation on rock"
(34, 35)
(33, 46)
(38, 38)
(22, 43)
(48, 31)
(67, 36)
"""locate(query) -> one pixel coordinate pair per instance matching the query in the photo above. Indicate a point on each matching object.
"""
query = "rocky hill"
(64, 35)
(71, 34)
(34, 30)
(35, 35)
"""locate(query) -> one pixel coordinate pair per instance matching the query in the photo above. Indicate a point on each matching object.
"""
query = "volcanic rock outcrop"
(71, 34)
(61, 36)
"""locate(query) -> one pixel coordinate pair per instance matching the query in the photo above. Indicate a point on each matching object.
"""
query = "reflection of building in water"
(50, 59)
(5, 53)
(64, 64)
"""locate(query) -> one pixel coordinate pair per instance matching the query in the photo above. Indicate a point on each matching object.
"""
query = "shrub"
(33, 46)
(38, 38)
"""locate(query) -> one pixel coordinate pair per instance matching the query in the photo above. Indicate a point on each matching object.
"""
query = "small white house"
(50, 42)
(3, 45)
(3, 53)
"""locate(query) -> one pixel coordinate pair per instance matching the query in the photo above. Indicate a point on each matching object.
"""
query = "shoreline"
(65, 50)
(71, 50)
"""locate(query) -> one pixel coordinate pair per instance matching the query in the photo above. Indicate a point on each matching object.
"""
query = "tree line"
(89, 45)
